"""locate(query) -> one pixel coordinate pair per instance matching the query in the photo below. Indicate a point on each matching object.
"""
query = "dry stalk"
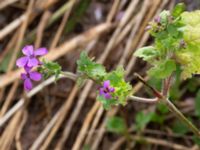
(113, 11)
(150, 140)
(9, 98)
(86, 124)
(62, 24)
(40, 30)
(21, 102)
(53, 126)
(19, 131)
(56, 53)
(17, 22)
(6, 3)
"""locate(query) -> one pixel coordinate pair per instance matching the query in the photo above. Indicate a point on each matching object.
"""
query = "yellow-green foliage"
(189, 57)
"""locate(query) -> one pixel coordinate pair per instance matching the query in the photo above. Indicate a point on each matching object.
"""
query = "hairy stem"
(160, 97)
(166, 85)
(170, 105)
(141, 99)
(69, 75)
(180, 115)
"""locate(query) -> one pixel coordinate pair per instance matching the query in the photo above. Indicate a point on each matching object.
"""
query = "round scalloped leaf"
(178, 9)
(192, 34)
(146, 53)
(189, 59)
(191, 18)
(163, 69)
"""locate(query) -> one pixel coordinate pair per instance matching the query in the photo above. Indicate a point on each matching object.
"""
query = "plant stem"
(69, 75)
(180, 115)
(141, 99)
(170, 105)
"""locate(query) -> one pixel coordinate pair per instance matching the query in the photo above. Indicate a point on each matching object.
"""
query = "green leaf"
(90, 68)
(158, 118)
(189, 60)
(191, 34)
(178, 10)
(162, 108)
(49, 69)
(196, 140)
(189, 56)
(163, 69)
(173, 32)
(116, 125)
(54, 66)
(191, 18)
(164, 17)
(180, 128)
(197, 104)
(142, 120)
(107, 103)
(146, 53)
(157, 83)
(86, 147)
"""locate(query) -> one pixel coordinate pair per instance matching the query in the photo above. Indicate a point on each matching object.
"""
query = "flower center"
(31, 56)
(28, 75)
(106, 90)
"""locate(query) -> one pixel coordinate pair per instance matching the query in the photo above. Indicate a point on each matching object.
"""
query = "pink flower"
(30, 59)
(106, 90)
(28, 76)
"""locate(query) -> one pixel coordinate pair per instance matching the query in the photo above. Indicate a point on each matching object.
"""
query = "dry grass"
(123, 38)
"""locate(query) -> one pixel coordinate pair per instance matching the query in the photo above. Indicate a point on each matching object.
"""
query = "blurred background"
(62, 116)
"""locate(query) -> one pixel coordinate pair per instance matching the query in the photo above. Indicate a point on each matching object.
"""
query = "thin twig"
(6, 3)
(41, 28)
(179, 114)
(151, 140)
(144, 100)
(62, 25)
(20, 103)
(172, 107)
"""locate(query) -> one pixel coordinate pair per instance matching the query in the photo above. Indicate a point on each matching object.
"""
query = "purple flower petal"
(21, 62)
(40, 52)
(28, 50)
(24, 76)
(157, 19)
(28, 84)
(107, 96)
(148, 27)
(27, 69)
(106, 84)
(36, 76)
(106, 90)
(101, 91)
(32, 62)
(112, 89)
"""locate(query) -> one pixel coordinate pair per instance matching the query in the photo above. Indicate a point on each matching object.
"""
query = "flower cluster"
(106, 90)
(29, 61)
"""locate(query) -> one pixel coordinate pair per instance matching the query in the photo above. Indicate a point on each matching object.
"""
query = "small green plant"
(175, 50)
(142, 119)
(116, 125)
